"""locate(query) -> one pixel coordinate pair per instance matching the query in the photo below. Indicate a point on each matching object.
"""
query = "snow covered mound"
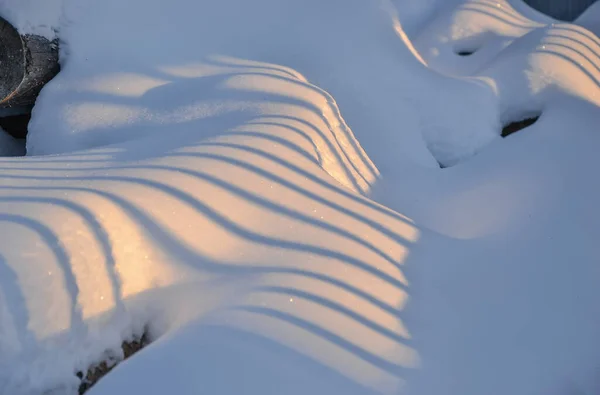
(257, 184)
(117, 78)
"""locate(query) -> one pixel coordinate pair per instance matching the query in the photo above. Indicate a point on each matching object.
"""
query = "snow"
(257, 184)
(9, 146)
(590, 18)
(41, 17)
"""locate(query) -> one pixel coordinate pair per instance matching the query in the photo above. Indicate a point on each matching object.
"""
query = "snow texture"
(258, 185)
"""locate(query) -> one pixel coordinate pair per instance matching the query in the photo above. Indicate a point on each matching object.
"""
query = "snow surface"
(257, 184)
(42, 17)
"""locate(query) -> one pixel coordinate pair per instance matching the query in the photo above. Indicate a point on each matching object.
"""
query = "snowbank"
(257, 184)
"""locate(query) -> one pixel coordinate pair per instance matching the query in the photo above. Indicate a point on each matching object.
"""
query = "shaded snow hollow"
(258, 184)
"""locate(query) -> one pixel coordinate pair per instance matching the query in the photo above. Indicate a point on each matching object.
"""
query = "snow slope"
(256, 183)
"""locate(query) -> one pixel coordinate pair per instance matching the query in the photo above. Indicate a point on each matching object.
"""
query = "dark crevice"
(465, 52)
(97, 372)
(566, 11)
(507, 130)
(513, 127)
(16, 125)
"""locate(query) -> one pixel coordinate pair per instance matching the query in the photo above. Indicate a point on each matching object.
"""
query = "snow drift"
(257, 184)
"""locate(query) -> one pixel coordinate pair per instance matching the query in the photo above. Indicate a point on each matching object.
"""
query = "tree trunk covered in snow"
(566, 10)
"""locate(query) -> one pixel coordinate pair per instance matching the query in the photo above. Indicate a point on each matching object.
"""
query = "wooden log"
(27, 63)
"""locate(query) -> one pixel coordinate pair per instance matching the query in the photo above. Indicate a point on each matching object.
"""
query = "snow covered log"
(26, 63)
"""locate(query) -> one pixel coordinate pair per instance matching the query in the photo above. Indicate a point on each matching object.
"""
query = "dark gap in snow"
(14, 121)
(563, 10)
(518, 125)
(16, 125)
(96, 372)
(465, 52)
